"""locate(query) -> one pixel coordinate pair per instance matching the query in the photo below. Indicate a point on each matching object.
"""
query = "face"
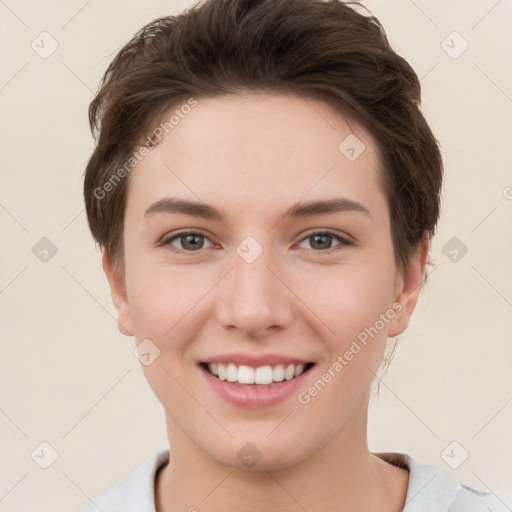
(252, 278)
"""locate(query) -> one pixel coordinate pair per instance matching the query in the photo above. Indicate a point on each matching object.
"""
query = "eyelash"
(344, 241)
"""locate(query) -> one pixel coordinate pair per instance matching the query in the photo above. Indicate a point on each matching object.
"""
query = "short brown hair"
(318, 49)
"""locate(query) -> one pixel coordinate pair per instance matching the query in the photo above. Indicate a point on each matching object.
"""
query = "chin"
(261, 456)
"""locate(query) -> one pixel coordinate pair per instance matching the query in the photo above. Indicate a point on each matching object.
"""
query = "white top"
(430, 489)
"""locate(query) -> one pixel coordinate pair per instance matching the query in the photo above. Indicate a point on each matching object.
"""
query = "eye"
(190, 241)
(321, 240)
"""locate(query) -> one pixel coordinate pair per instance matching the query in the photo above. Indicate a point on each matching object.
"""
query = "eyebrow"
(299, 210)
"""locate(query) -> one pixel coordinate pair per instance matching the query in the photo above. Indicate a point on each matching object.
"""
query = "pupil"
(315, 237)
(194, 245)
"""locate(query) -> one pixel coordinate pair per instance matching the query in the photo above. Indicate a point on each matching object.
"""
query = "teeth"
(261, 375)
(231, 373)
(289, 373)
(278, 373)
(221, 369)
(245, 375)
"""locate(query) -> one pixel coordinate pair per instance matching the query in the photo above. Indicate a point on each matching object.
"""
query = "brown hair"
(318, 49)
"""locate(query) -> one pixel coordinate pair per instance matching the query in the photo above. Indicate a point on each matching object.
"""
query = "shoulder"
(432, 489)
(134, 492)
(468, 499)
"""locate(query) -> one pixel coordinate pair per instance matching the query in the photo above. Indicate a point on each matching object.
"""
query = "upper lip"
(254, 360)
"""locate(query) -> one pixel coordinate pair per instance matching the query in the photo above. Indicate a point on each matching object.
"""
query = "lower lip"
(254, 398)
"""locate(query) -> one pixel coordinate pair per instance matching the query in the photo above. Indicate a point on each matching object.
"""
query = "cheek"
(161, 297)
(356, 308)
(165, 305)
(349, 298)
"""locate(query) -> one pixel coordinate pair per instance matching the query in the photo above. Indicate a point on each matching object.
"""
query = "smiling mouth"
(262, 376)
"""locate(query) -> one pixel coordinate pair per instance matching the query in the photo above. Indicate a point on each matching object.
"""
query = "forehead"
(259, 150)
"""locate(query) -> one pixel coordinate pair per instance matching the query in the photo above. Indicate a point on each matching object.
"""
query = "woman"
(265, 189)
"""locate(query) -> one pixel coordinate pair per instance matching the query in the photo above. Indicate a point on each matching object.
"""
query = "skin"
(252, 156)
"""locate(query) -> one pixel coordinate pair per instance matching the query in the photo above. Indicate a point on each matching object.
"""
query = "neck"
(341, 475)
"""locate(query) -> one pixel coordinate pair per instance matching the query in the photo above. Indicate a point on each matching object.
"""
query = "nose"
(254, 298)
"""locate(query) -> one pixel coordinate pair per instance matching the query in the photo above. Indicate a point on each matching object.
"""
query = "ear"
(408, 287)
(119, 298)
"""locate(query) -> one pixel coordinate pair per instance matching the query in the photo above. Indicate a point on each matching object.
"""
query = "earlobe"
(119, 296)
(409, 287)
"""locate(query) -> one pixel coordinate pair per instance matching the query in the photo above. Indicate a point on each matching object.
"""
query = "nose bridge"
(253, 298)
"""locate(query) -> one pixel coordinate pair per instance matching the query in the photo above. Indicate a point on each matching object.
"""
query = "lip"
(238, 359)
(253, 398)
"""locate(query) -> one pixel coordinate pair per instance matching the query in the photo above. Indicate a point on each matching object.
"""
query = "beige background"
(69, 378)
